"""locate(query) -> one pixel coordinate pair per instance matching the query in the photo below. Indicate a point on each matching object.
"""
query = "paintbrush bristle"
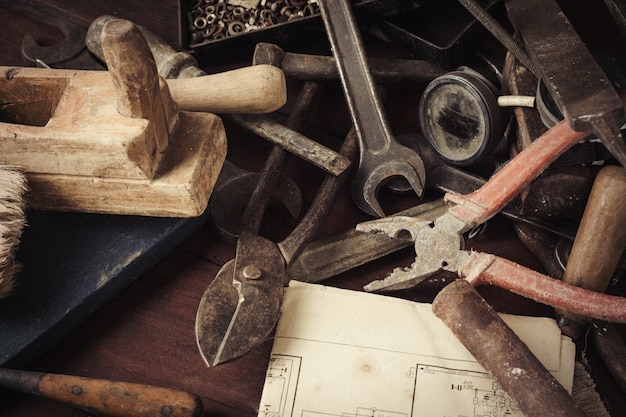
(13, 187)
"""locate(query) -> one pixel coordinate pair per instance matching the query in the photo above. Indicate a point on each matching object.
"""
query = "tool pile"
(530, 107)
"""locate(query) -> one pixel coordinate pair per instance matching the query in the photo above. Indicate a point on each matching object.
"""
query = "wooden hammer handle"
(105, 397)
(250, 90)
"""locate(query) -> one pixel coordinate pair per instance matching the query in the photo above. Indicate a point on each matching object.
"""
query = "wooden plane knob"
(135, 77)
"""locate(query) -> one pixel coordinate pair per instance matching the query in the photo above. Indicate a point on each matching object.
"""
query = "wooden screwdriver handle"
(105, 397)
(600, 239)
(249, 90)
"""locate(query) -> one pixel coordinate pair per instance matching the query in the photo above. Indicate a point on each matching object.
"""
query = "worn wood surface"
(146, 333)
(115, 141)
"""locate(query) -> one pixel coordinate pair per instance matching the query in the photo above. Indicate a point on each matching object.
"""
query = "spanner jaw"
(368, 182)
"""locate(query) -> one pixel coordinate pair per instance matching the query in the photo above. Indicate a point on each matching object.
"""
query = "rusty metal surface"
(231, 195)
(494, 345)
(71, 52)
(240, 307)
(381, 157)
(250, 287)
(294, 142)
(324, 68)
(575, 80)
(258, 273)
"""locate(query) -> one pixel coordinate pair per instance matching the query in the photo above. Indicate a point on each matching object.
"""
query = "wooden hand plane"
(109, 141)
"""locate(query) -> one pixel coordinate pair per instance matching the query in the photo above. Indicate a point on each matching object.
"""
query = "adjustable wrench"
(381, 157)
(439, 245)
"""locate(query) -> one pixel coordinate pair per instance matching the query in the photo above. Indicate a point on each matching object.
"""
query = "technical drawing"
(281, 381)
(474, 393)
(360, 412)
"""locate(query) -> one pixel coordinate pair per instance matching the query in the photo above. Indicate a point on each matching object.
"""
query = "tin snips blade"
(239, 308)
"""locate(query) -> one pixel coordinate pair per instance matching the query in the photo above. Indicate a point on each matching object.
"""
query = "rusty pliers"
(439, 245)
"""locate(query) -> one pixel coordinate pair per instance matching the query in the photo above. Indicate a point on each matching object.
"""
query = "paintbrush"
(13, 187)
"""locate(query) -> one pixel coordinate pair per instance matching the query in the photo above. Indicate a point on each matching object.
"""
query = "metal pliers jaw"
(439, 245)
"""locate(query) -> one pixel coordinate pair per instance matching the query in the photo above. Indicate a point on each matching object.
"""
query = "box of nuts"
(221, 27)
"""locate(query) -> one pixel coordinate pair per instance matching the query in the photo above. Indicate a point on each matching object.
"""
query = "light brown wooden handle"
(105, 397)
(252, 90)
(114, 398)
(601, 236)
(600, 241)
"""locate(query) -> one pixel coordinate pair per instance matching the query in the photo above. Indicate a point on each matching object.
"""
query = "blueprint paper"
(347, 353)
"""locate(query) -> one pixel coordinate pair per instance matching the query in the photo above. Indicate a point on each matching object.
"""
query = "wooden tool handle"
(601, 236)
(250, 90)
(104, 397)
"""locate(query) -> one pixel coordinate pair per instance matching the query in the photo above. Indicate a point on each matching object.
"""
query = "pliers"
(439, 245)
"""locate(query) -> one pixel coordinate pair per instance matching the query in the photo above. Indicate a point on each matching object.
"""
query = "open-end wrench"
(381, 157)
(439, 245)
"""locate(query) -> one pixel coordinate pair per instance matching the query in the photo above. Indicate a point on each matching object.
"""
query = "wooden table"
(146, 333)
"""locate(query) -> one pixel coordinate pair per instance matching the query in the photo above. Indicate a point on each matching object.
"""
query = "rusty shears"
(240, 307)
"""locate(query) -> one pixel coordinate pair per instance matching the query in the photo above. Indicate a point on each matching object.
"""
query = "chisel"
(104, 397)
